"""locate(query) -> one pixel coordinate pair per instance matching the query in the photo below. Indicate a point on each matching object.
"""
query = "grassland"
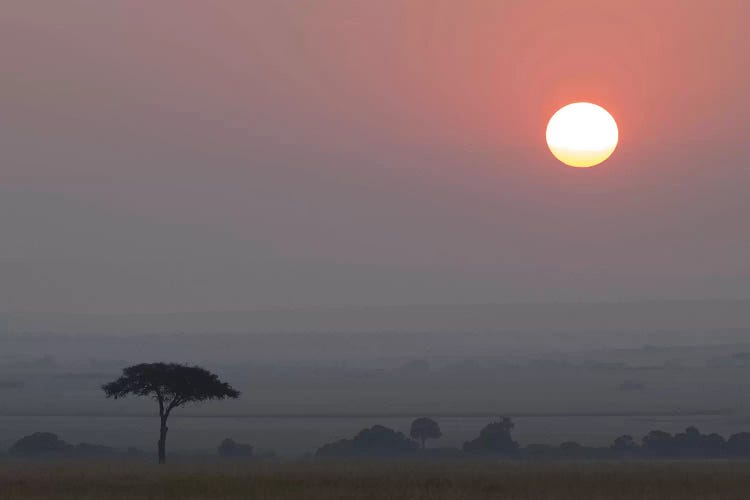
(379, 480)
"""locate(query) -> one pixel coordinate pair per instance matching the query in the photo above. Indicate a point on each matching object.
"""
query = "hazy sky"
(187, 155)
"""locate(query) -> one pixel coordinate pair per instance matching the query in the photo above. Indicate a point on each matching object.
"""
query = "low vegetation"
(494, 440)
(376, 463)
(399, 479)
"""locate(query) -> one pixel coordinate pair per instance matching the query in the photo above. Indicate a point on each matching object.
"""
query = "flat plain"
(379, 480)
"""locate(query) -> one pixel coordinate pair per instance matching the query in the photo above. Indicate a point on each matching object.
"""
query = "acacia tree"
(424, 428)
(171, 385)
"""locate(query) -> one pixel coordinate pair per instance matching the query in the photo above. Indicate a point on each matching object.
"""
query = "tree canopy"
(424, 428)
(171, 384)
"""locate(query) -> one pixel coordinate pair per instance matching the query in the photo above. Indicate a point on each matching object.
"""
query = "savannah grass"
(379, 480)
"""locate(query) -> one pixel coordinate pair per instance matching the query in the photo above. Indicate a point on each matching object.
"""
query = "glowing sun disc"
(582, 134)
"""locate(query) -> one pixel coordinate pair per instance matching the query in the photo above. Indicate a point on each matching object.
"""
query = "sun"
(582, 134)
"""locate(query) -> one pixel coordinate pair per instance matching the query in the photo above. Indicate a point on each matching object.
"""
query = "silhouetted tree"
(688, 442)
(714, 444)
(375, 441)
(658, 443)
(739, 444)
(692, 443)
(171, 385)
(229, 448)
(424, 428)
(48, 444)
(494, 438)
(624, 443)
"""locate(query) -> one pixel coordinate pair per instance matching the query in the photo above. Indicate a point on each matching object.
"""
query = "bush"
(39, 443)
(232, 449)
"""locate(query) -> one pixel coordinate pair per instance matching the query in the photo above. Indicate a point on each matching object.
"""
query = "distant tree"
(39, 443)
(48, 444)
(687, 443)
(229, 448)
(494, 438)
(692, 443)
(739, 444)
(714, 444)
(624, 443)
(424, 428)
(658, 443)
(171, 385)
(375, 441)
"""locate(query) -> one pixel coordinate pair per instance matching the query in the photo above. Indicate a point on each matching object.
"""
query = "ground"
(379, 480)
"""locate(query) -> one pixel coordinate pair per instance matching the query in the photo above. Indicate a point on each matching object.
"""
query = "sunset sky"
(183, 155)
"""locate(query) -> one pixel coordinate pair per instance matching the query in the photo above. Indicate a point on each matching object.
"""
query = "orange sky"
(391, 138)
(491, 73)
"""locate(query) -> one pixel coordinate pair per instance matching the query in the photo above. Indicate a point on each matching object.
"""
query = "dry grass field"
(380, 480)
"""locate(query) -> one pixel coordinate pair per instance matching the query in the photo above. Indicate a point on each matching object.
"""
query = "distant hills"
(609, 317)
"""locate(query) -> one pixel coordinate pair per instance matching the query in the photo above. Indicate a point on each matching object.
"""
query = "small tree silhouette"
(171, 385)
(494, 438)
(424, 428)
(626, 442)
(229, 448)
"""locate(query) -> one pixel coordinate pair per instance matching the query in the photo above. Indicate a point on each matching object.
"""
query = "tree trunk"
(162, 444)
(424, 440)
